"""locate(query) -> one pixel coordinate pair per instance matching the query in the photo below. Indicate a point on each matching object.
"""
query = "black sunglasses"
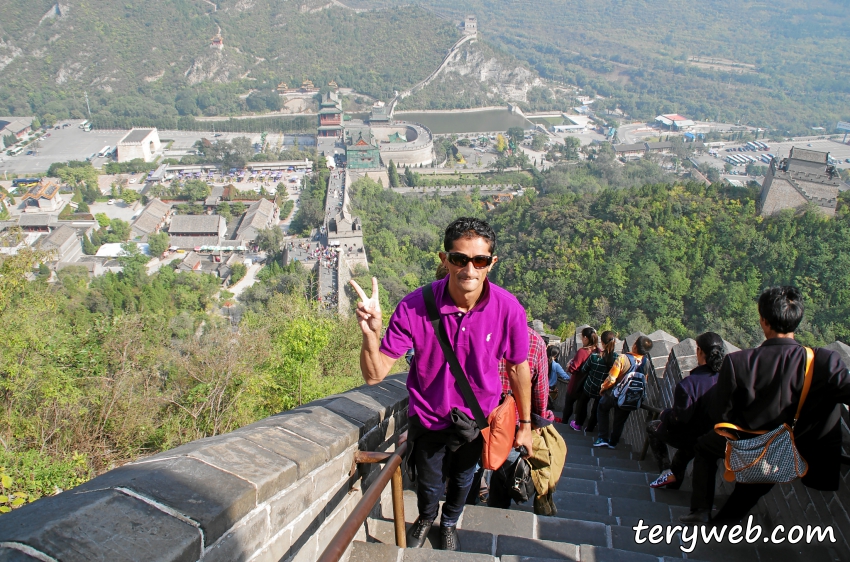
(460, 260)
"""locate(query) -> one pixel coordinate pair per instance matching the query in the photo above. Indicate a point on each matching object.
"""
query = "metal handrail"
(391, 471)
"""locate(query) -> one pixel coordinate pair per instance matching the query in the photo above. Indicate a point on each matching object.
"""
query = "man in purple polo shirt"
(484, 323)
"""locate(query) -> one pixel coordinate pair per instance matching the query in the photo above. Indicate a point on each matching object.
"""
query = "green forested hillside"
(779, 64)
(96, 373)
(152, 60)
(680, 257)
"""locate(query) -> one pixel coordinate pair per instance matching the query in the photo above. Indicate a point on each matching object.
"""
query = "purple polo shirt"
(495, 328)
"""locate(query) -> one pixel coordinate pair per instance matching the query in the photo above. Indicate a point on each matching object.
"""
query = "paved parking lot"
(69, 143)
(781, 150)
(118, 210)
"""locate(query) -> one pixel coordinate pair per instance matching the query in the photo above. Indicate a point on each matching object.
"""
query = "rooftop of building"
(44, 189)
(808, 155)
(195, 224)
(59, 237)
(136, 136)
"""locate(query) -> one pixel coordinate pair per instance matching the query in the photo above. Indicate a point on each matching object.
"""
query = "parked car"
(111, 202)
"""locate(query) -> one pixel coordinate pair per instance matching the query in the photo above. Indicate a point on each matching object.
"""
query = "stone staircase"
(602, 493)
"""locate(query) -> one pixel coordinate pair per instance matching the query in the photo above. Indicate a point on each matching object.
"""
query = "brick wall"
(275, 490)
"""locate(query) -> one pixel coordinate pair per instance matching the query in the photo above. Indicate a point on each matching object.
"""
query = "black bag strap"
(449, 353)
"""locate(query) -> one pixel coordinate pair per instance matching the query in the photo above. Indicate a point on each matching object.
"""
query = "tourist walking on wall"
(625, 365)
(485, 323)
(760, 389)
(595, 371)
(589, 344)
(556, 372)
(688, 419)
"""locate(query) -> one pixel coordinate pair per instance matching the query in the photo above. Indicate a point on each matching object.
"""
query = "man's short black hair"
(469, 227)
(781, 308)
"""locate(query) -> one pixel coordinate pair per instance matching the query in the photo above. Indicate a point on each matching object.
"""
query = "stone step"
(574, 515)
(621, 452)
(374, 552)
(470, 541)
(506, 547)
(625, 507)
(620, 490)
(589, 504)
(623, 537)
(560, 529)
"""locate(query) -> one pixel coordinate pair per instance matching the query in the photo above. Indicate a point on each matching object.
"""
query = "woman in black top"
(688, 419)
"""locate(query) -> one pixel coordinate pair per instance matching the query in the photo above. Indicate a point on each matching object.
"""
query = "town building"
(575, 123)
(660, 146)
(674, 122)
(260, 215)
(804, 178)
(330, 116)
(361, 152)
(218, 265)
(380, 114)
(151, 220)
(18, 126)
(63, 244)
(139, 143)
(345, 229)
(43, 197)
(194, 231)
(630, 151)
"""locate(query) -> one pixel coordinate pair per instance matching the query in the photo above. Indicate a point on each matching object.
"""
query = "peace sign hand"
(369, 309)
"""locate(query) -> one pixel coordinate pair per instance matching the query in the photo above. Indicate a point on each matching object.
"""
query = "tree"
(9, 140)
(224, 210)
(516, 135)
(36, 123)
(130, 196)
(571, 148)
(538, 142)
(409, 177)
(237, 272)
(392, 172)
(501, 144)
(270, 239)
(119, 230)
(158, 243)
(102, 220)
(237, 207)
(89, 249)
(196, 190)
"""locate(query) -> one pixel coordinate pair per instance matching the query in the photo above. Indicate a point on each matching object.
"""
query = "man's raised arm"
(373, 363)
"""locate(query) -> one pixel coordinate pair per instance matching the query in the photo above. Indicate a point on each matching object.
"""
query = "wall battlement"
(275, 490)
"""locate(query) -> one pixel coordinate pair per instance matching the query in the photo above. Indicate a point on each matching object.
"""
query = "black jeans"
(435, 466)
(607, 403)
(709, 449)
(684, 454)
(581, 410)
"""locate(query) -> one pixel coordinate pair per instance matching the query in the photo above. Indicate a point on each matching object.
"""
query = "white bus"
(104, 151)
(83, 124)
(15, 151)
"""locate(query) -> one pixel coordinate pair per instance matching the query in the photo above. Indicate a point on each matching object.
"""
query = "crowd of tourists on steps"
(727, 399)
(480, 382)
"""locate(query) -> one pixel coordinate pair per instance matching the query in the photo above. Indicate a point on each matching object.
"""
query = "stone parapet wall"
(275, 490)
